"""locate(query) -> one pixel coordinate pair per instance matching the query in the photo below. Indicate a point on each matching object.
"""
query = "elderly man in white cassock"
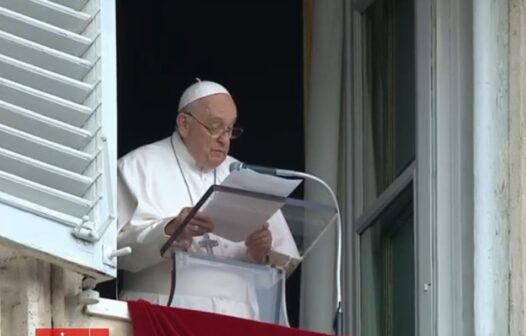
(158, 185)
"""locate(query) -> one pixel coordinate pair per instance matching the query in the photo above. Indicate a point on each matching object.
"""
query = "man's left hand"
(259, 243)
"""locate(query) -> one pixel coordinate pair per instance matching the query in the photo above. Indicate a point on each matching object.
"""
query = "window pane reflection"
(389, 118)
(387, 271)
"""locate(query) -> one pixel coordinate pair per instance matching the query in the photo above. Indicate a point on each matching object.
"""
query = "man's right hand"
(198, 225)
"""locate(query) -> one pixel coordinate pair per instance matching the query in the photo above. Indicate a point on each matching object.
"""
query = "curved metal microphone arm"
(291, 173)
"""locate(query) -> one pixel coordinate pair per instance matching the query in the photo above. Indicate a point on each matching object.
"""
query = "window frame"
(421, 172)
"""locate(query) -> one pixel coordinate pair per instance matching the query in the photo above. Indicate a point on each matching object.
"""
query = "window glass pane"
(387, 271)
(389, 118)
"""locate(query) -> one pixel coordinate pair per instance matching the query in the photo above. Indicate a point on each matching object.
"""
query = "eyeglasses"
(216, 132)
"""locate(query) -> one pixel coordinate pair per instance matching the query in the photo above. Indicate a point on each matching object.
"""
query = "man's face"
(204, 129)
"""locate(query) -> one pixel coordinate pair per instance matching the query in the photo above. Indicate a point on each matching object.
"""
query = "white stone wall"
(517, 304)
(35, 294)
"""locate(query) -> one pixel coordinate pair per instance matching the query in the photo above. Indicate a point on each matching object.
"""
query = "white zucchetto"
(199, 90)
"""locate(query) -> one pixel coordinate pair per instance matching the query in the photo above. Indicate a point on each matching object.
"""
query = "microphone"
(291, 173)
(237, 166)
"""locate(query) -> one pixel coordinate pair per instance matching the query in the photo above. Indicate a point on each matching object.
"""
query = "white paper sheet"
(236, 216)
(267, 184)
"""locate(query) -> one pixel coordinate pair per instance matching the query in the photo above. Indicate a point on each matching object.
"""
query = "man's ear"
(182, 125)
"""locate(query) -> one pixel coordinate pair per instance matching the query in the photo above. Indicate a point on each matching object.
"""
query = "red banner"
(154, 320)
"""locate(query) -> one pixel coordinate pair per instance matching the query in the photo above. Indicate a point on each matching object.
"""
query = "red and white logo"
(72, 332)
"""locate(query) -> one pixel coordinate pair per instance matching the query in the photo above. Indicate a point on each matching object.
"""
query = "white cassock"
(151, 192)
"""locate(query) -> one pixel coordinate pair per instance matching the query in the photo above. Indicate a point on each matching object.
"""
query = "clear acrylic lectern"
(229, 209)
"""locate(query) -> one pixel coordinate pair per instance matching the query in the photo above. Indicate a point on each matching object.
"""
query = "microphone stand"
(338, 315)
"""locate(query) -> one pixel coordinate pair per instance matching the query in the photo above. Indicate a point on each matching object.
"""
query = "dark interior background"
(253, 48)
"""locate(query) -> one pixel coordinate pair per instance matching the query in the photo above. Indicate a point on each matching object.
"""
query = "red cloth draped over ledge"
(155, 320)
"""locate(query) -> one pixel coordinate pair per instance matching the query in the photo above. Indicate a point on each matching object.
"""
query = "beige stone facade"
(36, 294)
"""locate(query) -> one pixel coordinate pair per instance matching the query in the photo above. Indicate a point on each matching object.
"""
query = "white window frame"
(444, 167)
(421, 172)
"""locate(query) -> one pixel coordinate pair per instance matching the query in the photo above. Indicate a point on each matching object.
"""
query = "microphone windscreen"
(235, 166)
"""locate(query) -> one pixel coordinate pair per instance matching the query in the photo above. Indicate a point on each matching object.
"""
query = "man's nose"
(224, 138)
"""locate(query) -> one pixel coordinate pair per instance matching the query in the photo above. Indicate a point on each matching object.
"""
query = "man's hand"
(259, 243)
(198, 225)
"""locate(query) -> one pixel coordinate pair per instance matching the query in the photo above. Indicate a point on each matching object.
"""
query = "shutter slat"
(44, 57)
(9, 206)
(43, 80)
(46, 34)
(43, 173)
(51, 13)
(74, 4)
(43, 150)
(46, 104)
(44, 196)
(42, 126)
